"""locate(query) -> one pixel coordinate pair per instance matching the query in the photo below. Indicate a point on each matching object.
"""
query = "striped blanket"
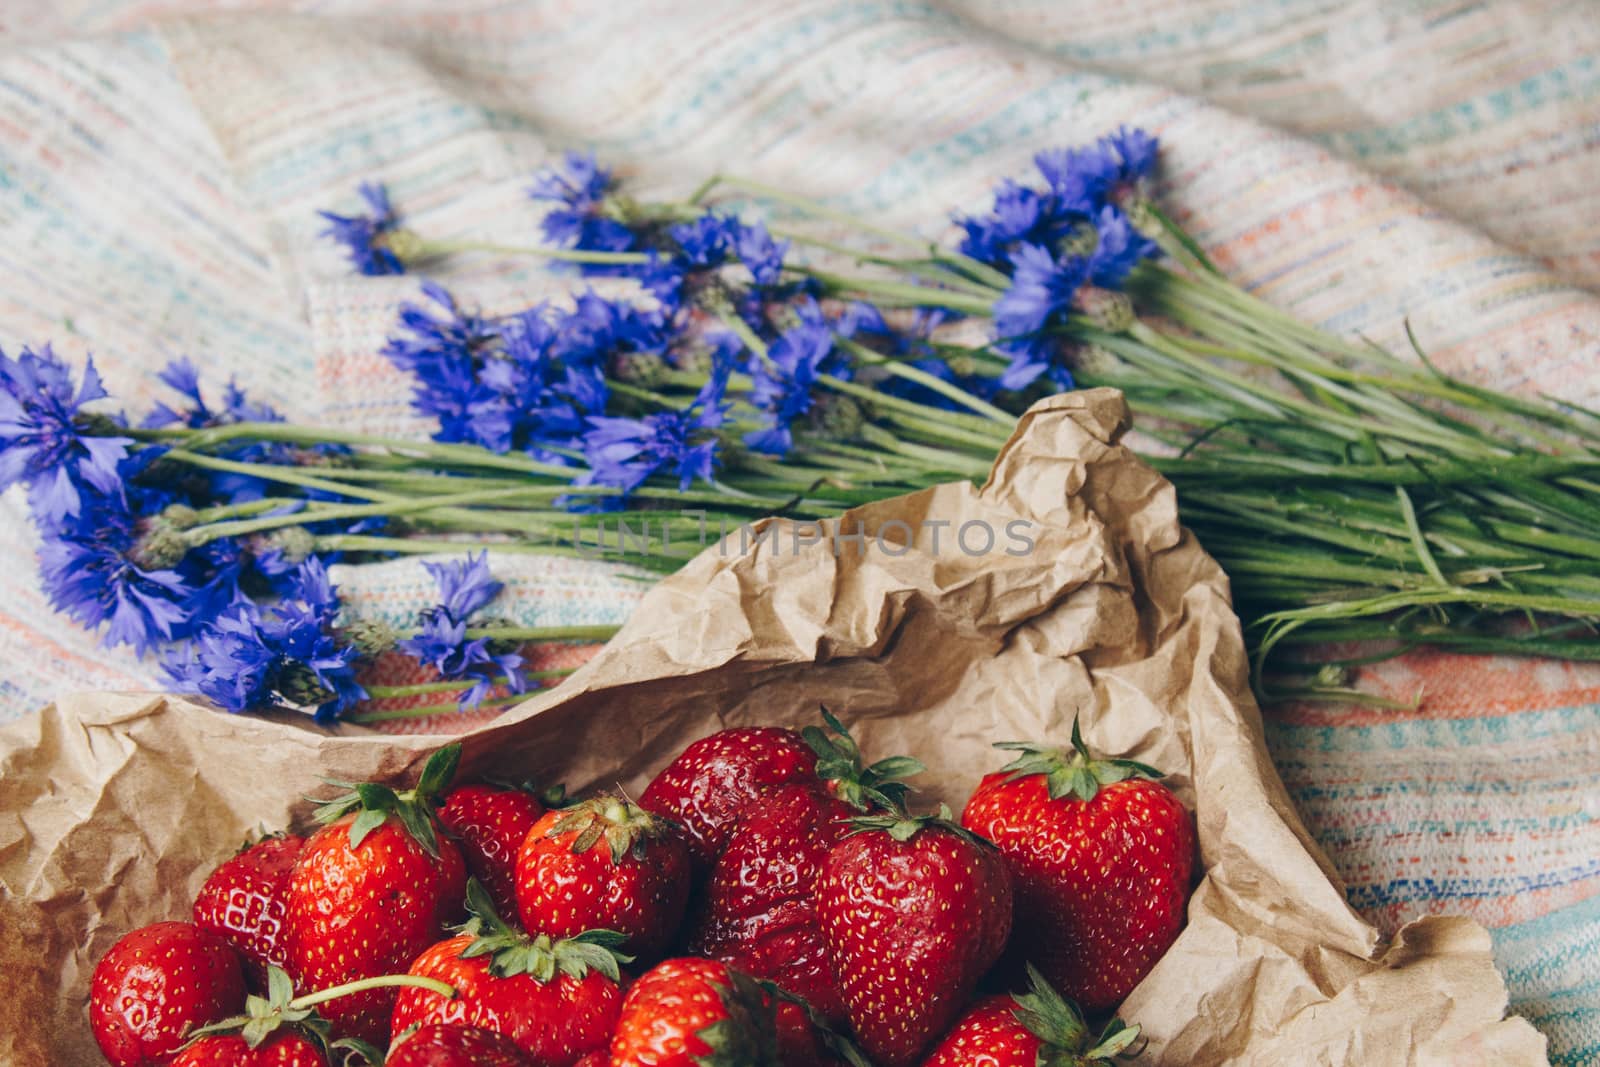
(1358, 163)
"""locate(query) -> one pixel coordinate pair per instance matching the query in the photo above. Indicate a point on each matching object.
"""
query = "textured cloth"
(161, 162)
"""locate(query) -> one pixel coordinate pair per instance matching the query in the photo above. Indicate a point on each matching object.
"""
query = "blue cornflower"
(578, 189)
(441, 641)
(87, 569)
(599, 330)
(760, 253)
(1041, 292)
(1117, 249)
(1087, 178)
(311, 585)
(1136, 153)
(442, 347)
(183, 377)
(625, 452)
(1019, 215)
(363, 235)
(708, 241)
(43, 445)
(782, 384)
(1042, 287)
(533, 401)
(250, 657)
(228, 663)
(1079, 178)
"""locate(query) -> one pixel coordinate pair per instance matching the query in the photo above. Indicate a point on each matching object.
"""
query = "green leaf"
(419, 824)
(354, 1048)
(893, 768)
(258, 1030)
(1114, 1040)
(364, 824)
(376, 796)
(280, 990)
(438, 771)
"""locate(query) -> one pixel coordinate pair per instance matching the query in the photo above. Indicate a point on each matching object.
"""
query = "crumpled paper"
(113, 807)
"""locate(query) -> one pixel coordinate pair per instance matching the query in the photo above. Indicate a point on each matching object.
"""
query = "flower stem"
(435, 249)
(431, 710)
(393, 692)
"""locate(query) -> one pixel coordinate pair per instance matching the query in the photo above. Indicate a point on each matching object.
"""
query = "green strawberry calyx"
(903, 826)
(280, 1008)
(512, 952)
(626, 828)
(1067, 1039)
(1072, 771)
(374, 802)
(747, 1034)
(880, 786)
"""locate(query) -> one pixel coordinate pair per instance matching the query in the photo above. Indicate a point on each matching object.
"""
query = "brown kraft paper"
(114, 807)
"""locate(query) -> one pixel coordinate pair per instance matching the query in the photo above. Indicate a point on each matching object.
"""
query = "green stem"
(386, 981)
(432, 709)
(436, 249)
(394, 692)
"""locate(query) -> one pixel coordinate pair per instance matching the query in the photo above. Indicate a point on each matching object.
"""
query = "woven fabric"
(1358, 164)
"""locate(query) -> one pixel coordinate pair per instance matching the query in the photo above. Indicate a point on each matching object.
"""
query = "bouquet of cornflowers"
(757, 369)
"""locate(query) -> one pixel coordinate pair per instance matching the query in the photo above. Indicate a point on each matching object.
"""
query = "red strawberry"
(284, 1049)
(461, 1046)
(699, 1013)
(595, 1059)
(1027, 1030)
(706, 787)
(371, 891)
(913, 910)
(557, 1000)
(757, 912)
(1102, 856)
(157, 984)
(244, 901)
(282, 1030)
(604, 864)
(490, 823)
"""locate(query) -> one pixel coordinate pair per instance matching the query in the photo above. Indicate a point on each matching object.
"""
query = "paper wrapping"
(114, 807)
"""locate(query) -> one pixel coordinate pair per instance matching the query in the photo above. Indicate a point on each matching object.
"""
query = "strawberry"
(699, 1013)
(604, 864)
(281, 1030)
(595, 1059)
(1026, 1030)
(490, 824)
(913, 911)
(155, 985)
(1102, 856)
(757, 912)
(706, 787)
(556, 1000)
(372, 889)
(244, 900)
(286, 1049)
(462, 1046)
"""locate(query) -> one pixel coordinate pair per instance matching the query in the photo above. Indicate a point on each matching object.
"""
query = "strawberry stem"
(624, 826)
(384, 981)
(512, 952)
(1057, 1022)
(1075, 771)
(903, 826)
(375, 802)
(878, 787)
(280, 1007)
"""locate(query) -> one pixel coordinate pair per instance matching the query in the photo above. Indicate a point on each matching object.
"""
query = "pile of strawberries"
(769, 901)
